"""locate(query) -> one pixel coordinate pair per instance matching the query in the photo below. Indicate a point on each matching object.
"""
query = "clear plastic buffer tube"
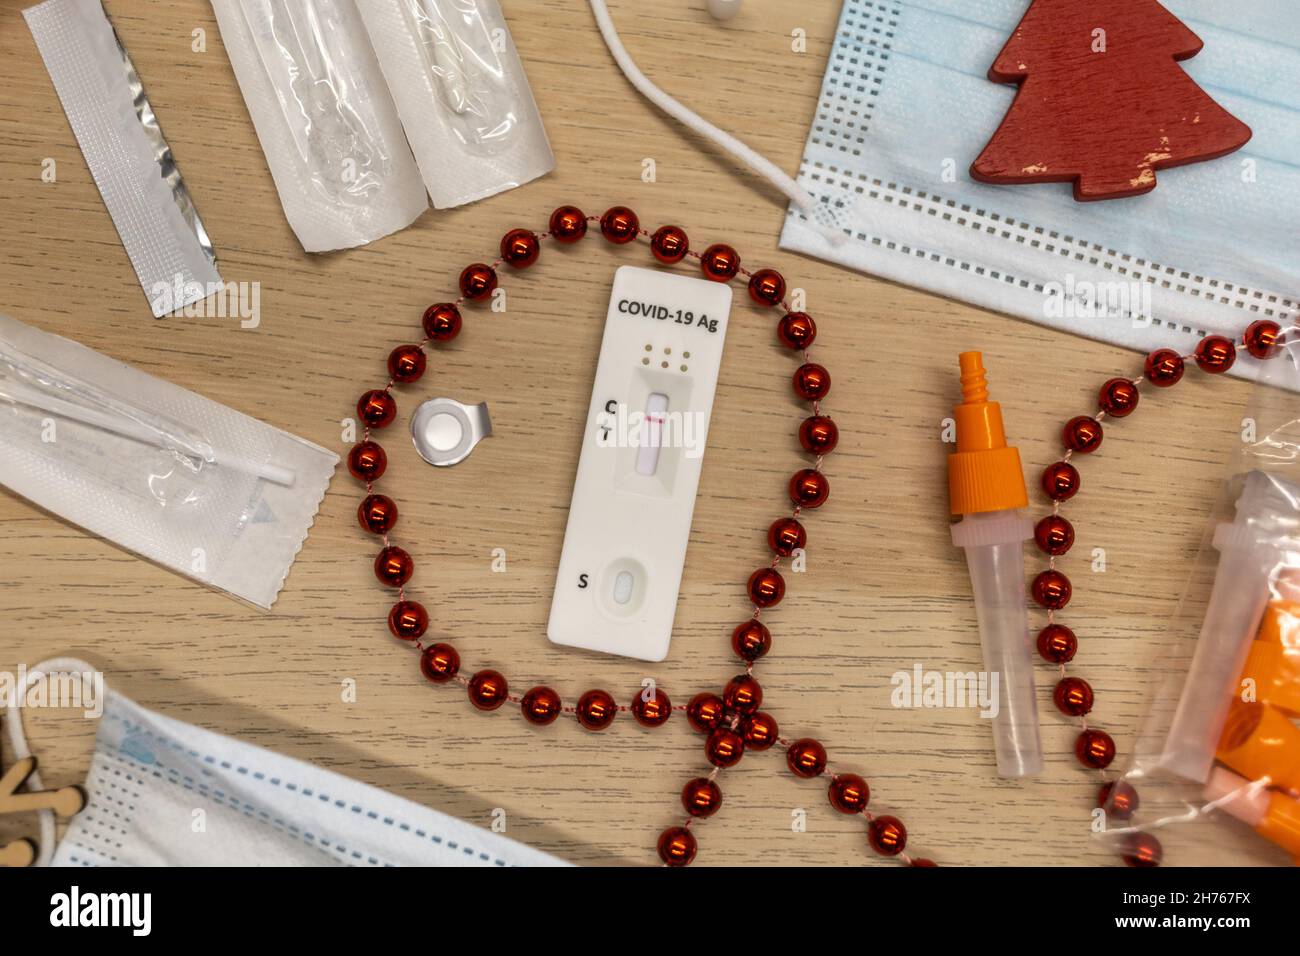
(987, 488)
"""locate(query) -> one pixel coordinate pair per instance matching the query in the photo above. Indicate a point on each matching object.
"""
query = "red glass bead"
(796, 330)
(367, 461)
(743, 694)
(1057, 644)
(651, 709)
(442, 322)
(766, 587)
(541, 706)
(1215, 354)
(818, 435)
(785, 536)
(751, 640)
(704, 713)
(1118, 397)
(1072, 696)
(377, 514)
(1119, 798)
(393, 566)
(809, 488)
(439, 663)
(1082, 434)
(669, 244)
(376, 408)
(720, 263)
(701, 797)
(1054, 535)
(1051, 589)
(1142, 850)
(619, 225)
(1261, 338)
(487, 690)
(1095, 749)
(478, 281)
(806, 758)
(677, 846)
(520, 248)
(887, 835)
(596, 709)
(759, 730)
(724, 748)
(1060, 481)
(406, 363)
(767, 287)
(568, 224)
(812, 382)
(1164, 367)
(848, 793)
(408, 620)
(923, 862)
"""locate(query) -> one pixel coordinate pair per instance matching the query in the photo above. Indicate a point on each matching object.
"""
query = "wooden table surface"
(884, 587)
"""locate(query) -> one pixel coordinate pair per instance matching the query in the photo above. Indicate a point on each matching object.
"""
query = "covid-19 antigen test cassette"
(642, 450)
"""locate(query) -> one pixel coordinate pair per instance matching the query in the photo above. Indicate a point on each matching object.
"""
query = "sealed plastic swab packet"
(125, 152)
(177, 478)
(325, 120)
(462, 94)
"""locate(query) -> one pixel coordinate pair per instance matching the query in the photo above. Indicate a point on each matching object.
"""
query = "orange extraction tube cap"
(983, 473)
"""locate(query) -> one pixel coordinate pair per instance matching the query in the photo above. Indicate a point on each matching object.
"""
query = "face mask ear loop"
(759, 164)
(18, 743)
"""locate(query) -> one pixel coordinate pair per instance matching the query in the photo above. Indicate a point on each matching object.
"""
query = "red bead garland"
(541, 706)
(408, 620)
(488, 690)
(377, 514)
(731, 721)
(1057, 644)
(596, 709)
(720, 263)
(520, 248)
(619, 225)
(669, 244)
(701, 797)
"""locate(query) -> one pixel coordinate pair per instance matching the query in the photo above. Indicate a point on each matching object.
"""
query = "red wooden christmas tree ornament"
(1102, 101)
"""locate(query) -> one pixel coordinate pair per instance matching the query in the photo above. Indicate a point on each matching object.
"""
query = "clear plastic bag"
(175, 477)
(460, 89)
(1219, 754)
(324, 117)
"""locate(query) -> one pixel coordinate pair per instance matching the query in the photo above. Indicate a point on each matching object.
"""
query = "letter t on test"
(634, 496)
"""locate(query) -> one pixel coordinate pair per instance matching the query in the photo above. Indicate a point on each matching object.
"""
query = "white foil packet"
(125, 152)
(324, 117)
(175, 477)
(461, 91)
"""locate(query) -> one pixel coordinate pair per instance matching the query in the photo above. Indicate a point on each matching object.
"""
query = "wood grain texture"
(884, 587)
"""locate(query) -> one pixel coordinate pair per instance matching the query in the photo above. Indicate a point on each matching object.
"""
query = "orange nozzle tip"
(984, 474)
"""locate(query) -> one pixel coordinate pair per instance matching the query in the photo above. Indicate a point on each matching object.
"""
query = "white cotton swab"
(123, 425)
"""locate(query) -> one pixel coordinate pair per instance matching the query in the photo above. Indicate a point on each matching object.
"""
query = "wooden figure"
(65, 802)
(1102, 100)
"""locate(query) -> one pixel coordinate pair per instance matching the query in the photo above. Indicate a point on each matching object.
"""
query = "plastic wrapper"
(1217, 762)
(462, 94)
(177, 478)
(125, 151)
(324, 117)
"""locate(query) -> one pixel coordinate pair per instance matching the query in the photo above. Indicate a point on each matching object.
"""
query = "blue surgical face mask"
(906, 106)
